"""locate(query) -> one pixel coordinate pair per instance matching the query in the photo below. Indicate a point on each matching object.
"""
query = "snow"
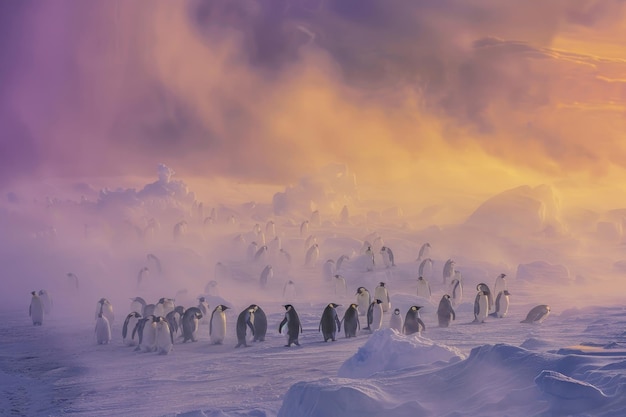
(572, 363)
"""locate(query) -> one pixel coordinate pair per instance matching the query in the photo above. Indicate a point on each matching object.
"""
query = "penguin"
(423, 288)
(35, 310)
(138, 332)
(105, 308)
(537, 314)
(329, 323)
(378, 244)
(329, 270)
(163, 307)
(481, 307)
(424, 251)
(217, 325)
(309, 241)
(412, 321)
(425, 268)
(294, 327)
(127, 330)
(286, 256)
(204, 308)
(270, 229)
(445, 312)
(289, 291)
(245, 318)
(143, 272)
(312, 255)
(261, 254)
(456, 289)
(266, 274)
(500, 284)
(381, 293)
(138, 305)
(363, 298)
(502, 304)
(448, 271)
(395, 321)
(157, 262)
(46, 301)
(340, 262)
(304, 228)
(374, 316)
(164, 336)
(485, 288)
(174, 319)
(148, 310)
(252, 250)
(316, 220)
(260, 323)
(388, 258)
(191, 319)
(350, 321)
(103, 330)
(340, 286)
(274, 246)
(371, 262)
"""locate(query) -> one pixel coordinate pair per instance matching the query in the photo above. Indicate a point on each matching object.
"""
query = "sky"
(451, 96)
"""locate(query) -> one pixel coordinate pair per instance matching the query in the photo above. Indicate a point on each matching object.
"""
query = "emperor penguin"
(424, 251)
(456, 289)
(35, 310)
(312, 255)
(426, 268)
(191, 319)
(329, 269)
(375, 316)
(138, 305)
(260, 323)
(304, 228)
(413, 322)
(340, 262)
(274, 246)
(363, 299)
(174, 319)
(245, 318)
(289, 291)
(481, 307)
(252, 250)
(270, 229)
(309, 241)
(285, 256)
(261, 254)
(156, 261)
(164, 306)
(180, 229)
(537, 314)
(103, 330)
(164, 336)
(217, 325)
(204, 308)
(46, 300)
(350, 321)
(105, 308)
(395, 321)
(445, 312)
(129, 325)
(294, 328)
(143, 273)
(448, 271)
(500, 284)
(388, 258)
(423, 288)
(370, 263)
(72, 280)
(266, 275)
(340, 286)
(329, 323)
(381, 293)
(316, 220)
(145, 334)
(485, 288)
(502, 304)
(148, 310)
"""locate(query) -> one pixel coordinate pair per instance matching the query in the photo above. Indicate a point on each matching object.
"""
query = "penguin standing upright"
(164, 336)
(382, 293)
(164, 306)
(500, 284)
(481, 307)
(103, 330)
(191, 319)
(329, 269)
(375, 315)
(363, 299)
(46, 301)
(175, 319)
(340, 286)
(502, 304)
(388, 258)
(485, 288)
(289, 291)
(204, 308)
(329, 323)
(245, 318)
(35, 310)
(294, 327)
(105, 308)
(217, 325)
(266, 275)
(127, 330)
(312, 255)
(448, 271)
(351, 321)
(445, 312)
(395, 321)
(456, 289)
(145, 330)
(138, 304)
(260, 323)
(412, 321)
(423, 288)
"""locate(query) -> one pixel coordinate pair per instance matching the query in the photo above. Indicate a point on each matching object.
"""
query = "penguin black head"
(42, 292)
(354, 306)
(288, 307)
(333, 305)
(396, 311)
(382, 284)
(377, 301)
(223, 307)
(161, 301)
(34, 292)
(506, 292)
(360, 290)
(502, 275)
(201, 299)
(415, 308)
(446, 296)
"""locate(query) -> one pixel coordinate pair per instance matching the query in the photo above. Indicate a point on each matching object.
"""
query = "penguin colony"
(159, 326)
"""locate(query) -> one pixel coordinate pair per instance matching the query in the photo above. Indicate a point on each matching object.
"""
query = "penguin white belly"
(36, 311)
(129, 340)
(382, 295)
(163, 338)
(103, 331)
(218, 328)
(136, 306)
(395, 322)
(377, 317)
(483, 308)
(340, 286)
(504, 306)
(422, 289)
(362, 301)
(149, 337)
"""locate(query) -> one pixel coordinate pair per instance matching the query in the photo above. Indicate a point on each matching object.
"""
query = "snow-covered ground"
(570, 364)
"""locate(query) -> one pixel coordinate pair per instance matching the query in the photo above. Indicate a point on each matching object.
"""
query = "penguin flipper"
(282, 323)
(251, 326)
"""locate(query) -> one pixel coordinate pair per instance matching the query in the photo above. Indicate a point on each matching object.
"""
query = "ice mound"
(388, 350)
(543, 272)
(567, 395)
